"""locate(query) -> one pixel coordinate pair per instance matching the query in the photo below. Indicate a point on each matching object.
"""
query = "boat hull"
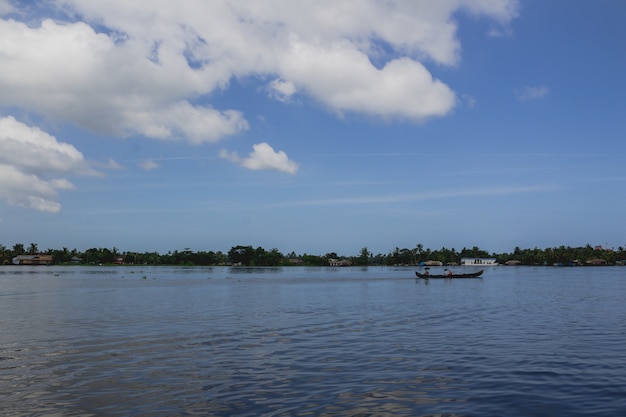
(470, 275)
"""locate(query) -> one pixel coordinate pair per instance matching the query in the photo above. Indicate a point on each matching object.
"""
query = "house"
(596, 262)
(32, 260)
(479, 261)
(119, 260)
(339, 262)
(513, 262)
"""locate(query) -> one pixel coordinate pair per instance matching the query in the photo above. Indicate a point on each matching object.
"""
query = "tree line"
(250, 256)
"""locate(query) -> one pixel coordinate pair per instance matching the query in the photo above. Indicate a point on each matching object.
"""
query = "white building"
(479, 261)
(339, 262)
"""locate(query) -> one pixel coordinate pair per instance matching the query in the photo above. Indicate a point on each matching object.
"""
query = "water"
(142, 341)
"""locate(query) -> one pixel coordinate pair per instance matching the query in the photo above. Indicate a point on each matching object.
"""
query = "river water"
(166, 341)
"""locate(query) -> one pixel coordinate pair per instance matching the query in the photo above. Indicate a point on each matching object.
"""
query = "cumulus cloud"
(143, 67)
(263, 157)
(532, 93)
(33, 165)
(70, 72)
(282, 90)
(403, 87)
(196, 123)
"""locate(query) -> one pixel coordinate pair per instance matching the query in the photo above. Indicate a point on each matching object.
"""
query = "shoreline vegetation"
(250, 256)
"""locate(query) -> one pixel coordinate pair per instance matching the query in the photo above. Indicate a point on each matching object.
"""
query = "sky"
(312, 126)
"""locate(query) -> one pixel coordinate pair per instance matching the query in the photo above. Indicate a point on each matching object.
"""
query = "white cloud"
(263, 157)
(32, 163)
(532, 93)
(140, 67)
(69, 71)
(282, 90)
(197, 124)
(112, 164)
(400, 198)
(6, 7)
(21, 189)
(349, 82)
(149, 165)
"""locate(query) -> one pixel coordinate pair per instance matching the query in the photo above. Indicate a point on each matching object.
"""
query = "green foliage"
(241, 255)
(363, 258)
(314, 260)
(18, 249)
(248, 256)
(265, 258)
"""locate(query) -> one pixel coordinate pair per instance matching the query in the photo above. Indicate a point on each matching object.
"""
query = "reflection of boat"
(471, 275)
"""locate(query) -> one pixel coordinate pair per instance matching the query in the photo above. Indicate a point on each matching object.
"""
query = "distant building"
(32, 260)
(479, 261)
(119, 260)
(339, 262)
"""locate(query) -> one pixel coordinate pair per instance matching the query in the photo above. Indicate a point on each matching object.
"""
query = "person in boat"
(427, 272)
(449, 273)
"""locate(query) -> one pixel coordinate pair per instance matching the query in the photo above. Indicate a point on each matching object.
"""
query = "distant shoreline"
(248, 256)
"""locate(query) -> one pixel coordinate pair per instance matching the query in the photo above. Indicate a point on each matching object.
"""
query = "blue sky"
(312, 126)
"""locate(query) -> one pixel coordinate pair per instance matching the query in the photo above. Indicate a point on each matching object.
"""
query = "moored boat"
(469, 275)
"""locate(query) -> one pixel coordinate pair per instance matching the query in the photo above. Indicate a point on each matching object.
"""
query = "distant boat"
(470, 275)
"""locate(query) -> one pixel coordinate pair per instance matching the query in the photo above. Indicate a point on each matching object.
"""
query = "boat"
(470, 275)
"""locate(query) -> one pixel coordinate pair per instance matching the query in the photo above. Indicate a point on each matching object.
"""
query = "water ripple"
(99, 344)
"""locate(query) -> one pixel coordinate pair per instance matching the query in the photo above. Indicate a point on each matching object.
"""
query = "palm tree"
(66, 255)
(419, 249)
(18, 249)
(33, 249)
